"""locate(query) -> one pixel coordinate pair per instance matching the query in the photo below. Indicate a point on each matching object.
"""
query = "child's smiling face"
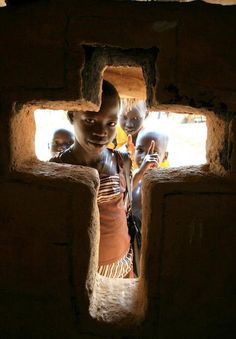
(62, 140)
(132, 121)
(94, 130)
(143, 144)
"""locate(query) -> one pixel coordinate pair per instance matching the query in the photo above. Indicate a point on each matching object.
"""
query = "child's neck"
(86, 159)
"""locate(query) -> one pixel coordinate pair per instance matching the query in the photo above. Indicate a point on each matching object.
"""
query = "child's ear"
(70, 116)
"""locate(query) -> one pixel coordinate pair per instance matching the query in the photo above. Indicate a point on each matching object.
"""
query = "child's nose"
(100, 131)
(129, 123)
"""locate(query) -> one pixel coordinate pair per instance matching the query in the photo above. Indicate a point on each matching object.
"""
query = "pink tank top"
(114, 237)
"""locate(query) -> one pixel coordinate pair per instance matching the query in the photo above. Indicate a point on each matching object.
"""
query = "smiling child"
(93, 131)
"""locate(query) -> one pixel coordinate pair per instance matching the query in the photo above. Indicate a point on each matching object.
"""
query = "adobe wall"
(189, 249)
(48, 215)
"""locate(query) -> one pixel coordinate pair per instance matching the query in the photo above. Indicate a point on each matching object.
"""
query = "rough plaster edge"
(190, 176)
(76, 105)
(56, 175)
(73, 179)
(160, 183)
(213, 2)
(97, 57)
(114, 302)
(181, 109)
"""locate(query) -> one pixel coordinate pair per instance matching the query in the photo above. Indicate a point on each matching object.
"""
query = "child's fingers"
(151, 147)
(129, 143)
(153, 160)
(154, 157)
(129, 140)
(130, 146)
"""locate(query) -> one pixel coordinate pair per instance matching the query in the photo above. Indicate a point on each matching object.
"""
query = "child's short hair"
(63, 131)
(131, 103)
(61, 140)
(154, 134)
(108, 91)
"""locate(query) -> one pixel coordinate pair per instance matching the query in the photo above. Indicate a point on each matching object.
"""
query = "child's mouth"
(97, 144)
(129, 131)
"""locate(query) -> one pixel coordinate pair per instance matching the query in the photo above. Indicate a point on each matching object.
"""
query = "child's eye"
(135, 118)
(90, 121)
(112, 123)
(139, 149)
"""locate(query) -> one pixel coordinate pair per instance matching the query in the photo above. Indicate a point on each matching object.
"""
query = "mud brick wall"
(49, 229)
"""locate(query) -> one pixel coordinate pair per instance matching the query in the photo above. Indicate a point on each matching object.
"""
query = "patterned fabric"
(109, 188)
(118, 269)
(115, 259)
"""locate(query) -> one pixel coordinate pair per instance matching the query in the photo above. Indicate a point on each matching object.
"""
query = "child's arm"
(130, 146)
(151, 160)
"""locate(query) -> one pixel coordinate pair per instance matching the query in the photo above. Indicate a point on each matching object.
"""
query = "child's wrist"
(142, 170)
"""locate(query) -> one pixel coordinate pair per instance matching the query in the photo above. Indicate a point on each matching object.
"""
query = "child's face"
(142, 147)
(94, 130)
(131, 122)
(61, 141)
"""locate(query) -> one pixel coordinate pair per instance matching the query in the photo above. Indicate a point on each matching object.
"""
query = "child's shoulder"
(122, 154)
(63, 157)
(124, 160)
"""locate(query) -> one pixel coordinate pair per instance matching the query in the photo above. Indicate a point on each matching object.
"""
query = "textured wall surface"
(49, 228)
(189, 244)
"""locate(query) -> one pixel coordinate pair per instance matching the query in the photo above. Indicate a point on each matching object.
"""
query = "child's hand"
(130, 145)
(151, 159)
